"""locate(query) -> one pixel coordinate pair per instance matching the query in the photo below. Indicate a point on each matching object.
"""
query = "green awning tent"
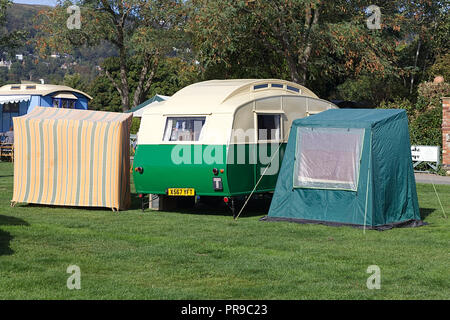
(348, 167)
(155, 98)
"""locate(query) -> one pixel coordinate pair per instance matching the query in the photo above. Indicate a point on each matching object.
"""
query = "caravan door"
(269, 148)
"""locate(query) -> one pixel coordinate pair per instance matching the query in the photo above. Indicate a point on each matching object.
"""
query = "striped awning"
(72, 157)
(14, 98)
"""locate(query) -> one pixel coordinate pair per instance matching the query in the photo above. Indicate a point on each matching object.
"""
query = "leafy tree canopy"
(145, 31)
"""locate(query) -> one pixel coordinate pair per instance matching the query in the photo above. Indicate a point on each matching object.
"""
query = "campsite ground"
(207, 255)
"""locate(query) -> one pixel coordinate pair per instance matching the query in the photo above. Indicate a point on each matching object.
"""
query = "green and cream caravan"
(219, 138)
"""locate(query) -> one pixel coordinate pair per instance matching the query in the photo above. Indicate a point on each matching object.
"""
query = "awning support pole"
(368, 181)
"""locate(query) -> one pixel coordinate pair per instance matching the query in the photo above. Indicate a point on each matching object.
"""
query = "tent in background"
(73, 158)
(139, 109)
(348, 167)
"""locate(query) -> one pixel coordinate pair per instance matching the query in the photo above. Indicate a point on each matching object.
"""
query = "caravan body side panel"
(190, 164)
(179, 166)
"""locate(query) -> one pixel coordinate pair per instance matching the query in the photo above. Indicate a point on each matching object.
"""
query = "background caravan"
(216, 138)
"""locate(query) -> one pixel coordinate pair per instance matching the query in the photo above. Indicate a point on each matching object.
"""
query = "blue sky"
(46, 2)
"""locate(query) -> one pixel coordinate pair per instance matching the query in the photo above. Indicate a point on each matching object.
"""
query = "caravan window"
(11, 107)
(183, 128)
(328, 158)
(269, 127)
(63, 103)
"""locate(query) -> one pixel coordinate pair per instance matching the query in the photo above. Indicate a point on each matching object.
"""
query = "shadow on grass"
(254, 207)
(37, 205)
(6, 237)
(425, 212)
(135, 202)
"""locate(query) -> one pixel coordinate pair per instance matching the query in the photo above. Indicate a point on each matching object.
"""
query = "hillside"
(83, 60)
(22, 16)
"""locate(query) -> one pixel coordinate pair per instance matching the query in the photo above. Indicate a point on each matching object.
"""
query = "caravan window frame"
(64, 103)
(11, 107)
(179, 116)
(280, 114)
(318, 181)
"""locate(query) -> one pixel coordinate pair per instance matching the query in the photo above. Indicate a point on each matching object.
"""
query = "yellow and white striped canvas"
(73, 158)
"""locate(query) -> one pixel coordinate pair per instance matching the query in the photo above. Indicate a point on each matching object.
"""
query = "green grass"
(207, 255)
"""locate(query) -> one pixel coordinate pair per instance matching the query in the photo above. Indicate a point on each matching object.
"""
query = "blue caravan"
(20, 99)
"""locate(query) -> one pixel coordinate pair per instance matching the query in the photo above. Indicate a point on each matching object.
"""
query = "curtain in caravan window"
(328, 158)
(184, 128)
(168, 130)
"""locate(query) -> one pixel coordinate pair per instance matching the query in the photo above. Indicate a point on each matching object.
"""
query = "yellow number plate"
(184, 192)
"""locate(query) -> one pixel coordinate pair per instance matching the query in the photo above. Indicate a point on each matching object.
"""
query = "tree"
(8, 40)
(427, 25)
(441, 67)
(171, 75)
(105, 96)
(370, 89)
(425, 115)
(145, 31)
(15, 72)
(75, 81)
(312, 38)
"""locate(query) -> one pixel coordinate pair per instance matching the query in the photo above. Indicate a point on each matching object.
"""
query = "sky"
(46, 2)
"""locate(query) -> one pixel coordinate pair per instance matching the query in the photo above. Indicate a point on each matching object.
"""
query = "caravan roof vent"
(261, 86)
(277, 85)
(293, 89)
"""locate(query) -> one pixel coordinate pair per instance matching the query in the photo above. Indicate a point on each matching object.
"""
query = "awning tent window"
(328, 158)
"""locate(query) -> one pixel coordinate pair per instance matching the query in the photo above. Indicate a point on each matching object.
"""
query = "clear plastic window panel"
(184, 128)
(328, 158)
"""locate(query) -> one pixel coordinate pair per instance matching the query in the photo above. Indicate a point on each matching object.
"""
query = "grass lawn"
(207, 255)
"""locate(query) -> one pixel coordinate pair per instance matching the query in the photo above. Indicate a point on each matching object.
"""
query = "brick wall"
(446, 132)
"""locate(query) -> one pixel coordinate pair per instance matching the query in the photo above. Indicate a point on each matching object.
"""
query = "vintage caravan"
(19, 99)
(219, 138)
